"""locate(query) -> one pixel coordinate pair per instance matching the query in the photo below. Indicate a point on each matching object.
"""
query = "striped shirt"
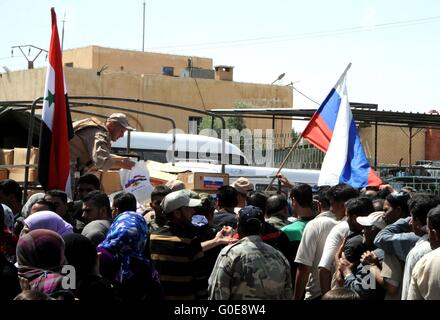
(178, 258)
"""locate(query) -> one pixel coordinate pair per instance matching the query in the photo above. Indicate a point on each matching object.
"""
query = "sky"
(393, 45)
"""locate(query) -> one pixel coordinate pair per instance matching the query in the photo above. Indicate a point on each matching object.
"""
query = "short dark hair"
(257, 199)
(341, 294)
(227, 196)
(90, 178)
(303, 194)
(420, 204)
(100, 199)
(160, 191)
(125, 201)
(9, 186)
(46, 203)
(434, 218)
(361, 206)
(342, 192)
(399, 199)
(323, 198)
(275, 204)
(57, 193)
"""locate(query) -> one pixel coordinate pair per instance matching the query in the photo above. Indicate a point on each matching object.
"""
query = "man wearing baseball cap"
(176, 252)
(250, 268)
(91, 145)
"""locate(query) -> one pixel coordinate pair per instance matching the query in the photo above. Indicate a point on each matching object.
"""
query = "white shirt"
(332, 244)
(421, 248)
(311, 247)
(425, 282)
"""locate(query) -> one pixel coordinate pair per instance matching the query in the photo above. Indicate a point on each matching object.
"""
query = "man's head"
(276, 206)
(395, 207)
(227, 197)
(96, 206)
(323, 199)
(419, 206)
(302, 196)
(122, 202)
(59, 200)
(250, 221)
(433, 222)
(357, 207)
(338, 195)
(243, 186)
(11, 194)
(87, 183)
(43, 205)
(179, 207)
(117, 124)
(371, 225)
(157, 196)
(257, 199)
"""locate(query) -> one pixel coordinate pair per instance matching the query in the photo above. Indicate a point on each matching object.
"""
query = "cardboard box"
(6, 156)
(17, 174)
(110, 181)
(4, 174)
(20, 156)
(204, 181)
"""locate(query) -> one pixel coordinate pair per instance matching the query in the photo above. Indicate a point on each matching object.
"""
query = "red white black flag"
(56, 127)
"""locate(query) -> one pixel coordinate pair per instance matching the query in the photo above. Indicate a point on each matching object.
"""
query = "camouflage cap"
(121, 119)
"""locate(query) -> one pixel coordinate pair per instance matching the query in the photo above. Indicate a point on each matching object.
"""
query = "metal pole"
(410, 147)
(143, 28)
(29, 145)
(375, 145)
(62, 32)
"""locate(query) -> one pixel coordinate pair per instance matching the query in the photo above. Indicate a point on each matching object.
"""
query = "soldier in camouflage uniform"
(90, 147)
(250, 269)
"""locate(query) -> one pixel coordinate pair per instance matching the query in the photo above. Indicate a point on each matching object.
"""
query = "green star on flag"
(50, 97)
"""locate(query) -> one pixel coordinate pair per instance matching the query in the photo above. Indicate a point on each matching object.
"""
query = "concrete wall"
(195, 93)
(95, 57)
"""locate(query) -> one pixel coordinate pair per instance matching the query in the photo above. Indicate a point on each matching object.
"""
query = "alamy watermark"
(257, 147)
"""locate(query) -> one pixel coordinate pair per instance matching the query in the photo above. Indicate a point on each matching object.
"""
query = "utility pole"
(62, 33)
(143, 29)
(30, 62)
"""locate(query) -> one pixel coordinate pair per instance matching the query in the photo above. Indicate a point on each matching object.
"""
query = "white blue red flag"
(332, 129)
(56, 127)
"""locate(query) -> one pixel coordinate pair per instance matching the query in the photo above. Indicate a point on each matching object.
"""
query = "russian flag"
(56, 127)
(332, 129)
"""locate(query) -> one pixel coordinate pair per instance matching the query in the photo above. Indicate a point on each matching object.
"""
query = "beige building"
(188, 81)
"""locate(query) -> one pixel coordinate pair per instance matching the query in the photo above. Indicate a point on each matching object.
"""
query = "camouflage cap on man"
(121, 119)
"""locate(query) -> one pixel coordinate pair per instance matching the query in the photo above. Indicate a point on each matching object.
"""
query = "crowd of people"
(329, 243)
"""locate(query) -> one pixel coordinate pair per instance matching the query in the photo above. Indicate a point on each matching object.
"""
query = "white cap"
(179, 199)
(373, 219)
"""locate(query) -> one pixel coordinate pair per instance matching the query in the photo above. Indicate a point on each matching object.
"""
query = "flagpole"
(300, 136)
(284, 161)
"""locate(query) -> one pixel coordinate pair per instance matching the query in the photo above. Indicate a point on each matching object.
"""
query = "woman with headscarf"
(8, 241)
(122, 259)
(47, 220)
(81, 253)
(40, 257)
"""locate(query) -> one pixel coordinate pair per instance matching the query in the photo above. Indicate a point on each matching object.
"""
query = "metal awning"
(387, 118)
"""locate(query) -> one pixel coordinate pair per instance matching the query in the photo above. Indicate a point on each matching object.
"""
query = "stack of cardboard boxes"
(17, 157)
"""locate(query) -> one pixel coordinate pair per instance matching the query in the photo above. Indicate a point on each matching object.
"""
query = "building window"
(194, 125)
(168, 71)
(69, 64)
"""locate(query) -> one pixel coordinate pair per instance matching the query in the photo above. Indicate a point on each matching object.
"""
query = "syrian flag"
(56, 127)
